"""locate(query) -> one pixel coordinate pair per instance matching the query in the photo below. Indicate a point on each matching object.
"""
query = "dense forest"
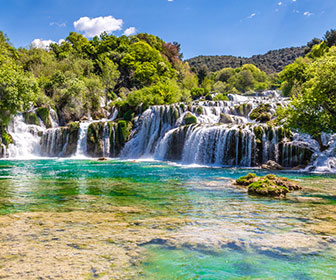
(85, 78)
(271, 62)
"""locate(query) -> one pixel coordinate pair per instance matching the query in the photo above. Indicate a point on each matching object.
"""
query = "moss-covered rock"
(72, 130)
(199, 110)
(264, 118)
(189, 118)
(95, 139)
(269, 185)
(225, 118)
(31, 118)
(6, 138)
(247, 180)
(43, 114)
(119, 136)
(261, 113)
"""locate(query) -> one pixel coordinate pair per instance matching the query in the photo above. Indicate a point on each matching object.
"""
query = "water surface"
(83, 219)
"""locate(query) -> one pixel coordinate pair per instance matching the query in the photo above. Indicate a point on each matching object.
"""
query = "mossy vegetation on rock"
(73, 130)
(189, 118)
(31, 118)
(5, 138)
(261, 113)
(225, 118)
(269, 185)
(43, 113)
(95, 139)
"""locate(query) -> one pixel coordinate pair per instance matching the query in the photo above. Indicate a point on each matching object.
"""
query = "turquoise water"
(217, 231)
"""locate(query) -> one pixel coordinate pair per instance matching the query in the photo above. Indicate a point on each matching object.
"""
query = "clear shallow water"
(197, 224)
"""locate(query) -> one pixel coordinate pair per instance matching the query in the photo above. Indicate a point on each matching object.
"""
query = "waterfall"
(220, 145)
(106, 141)
(25, 137)
(153, 125)
(53, 117)
(82, 139)
(221, 133)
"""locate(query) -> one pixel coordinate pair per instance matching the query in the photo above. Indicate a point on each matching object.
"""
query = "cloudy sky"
(203, 27)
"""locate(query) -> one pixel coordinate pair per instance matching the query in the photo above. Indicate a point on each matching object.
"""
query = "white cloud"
(95, 26)
(170, 0)
(44, 44)
(252, 15)
(308, 14)
(130, 31)
(280, 4)
(62, 24)
(41, 44)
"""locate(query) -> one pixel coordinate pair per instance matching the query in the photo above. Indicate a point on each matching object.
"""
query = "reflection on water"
(168, 222)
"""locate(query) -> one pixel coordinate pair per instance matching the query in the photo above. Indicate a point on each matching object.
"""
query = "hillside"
(271, 62)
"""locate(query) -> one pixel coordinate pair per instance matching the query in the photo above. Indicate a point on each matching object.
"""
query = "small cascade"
(26, 139)
(220, 145)
(82, 139)
(152, 126)
(106, 141)
(53, 118)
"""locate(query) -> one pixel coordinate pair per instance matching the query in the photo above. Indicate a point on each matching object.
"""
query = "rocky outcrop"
(44, 114)
(189, 118)
(262, 113)
(269, 185)
(272, 165)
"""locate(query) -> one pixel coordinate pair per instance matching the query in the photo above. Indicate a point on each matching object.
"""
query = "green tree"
(18, 90)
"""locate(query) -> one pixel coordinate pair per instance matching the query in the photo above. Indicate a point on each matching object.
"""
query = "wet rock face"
(272, 165)
(61, 141)
(44, 115)
(31, 118)
(95, 139)
(269, 185)
(262, 113)
(189, 118)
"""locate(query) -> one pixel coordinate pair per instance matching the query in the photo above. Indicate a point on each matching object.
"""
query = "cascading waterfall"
(82, 139)
(26, 139)
(106, 141)
(221, 133)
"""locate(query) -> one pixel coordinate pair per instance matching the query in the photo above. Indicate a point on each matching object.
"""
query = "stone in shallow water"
(270, 185)
(272, 165)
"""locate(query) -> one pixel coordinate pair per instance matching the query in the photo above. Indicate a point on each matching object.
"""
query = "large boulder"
(189, 118)
(272, 165)
(225, 118)
(269, 185)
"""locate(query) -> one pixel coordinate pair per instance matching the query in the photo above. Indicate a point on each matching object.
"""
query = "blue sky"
(203, 27)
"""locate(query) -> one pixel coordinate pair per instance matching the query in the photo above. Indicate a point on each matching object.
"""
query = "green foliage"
(221, 97)
(189, 119)
(166, 92)
(31, 118)
(43, 113)
(79, 76)
(330, 38)
(240, 80)
(293, 75)
(197, 93)
(314, 109)
(6, 138)
(246, 180)
(17, 89)
(271, 62)
(261, 113)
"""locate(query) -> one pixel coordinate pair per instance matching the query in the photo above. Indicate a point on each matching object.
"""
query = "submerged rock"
(102, 159)
(272, 165)
(269, 185)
